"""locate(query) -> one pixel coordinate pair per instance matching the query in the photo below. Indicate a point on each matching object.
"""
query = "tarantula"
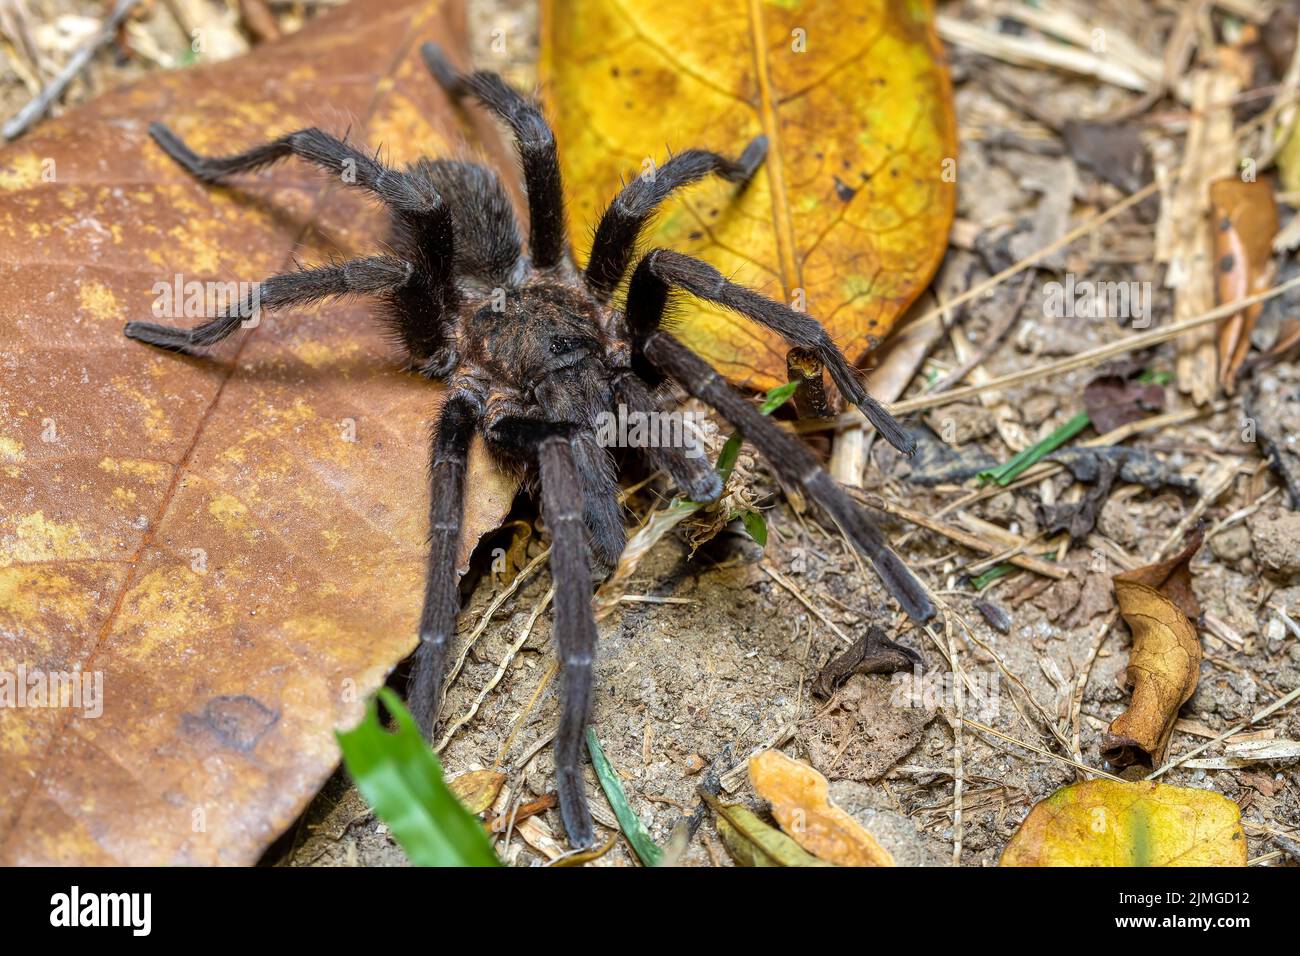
(531, 351)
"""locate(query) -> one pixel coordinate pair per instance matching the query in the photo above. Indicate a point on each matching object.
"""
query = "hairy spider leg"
(791, 459)
(547, 240)
(449, 453)
(375, 275)
(418, 210)
(694, 476)
(551, 444)
(629, 211)
(575, 628)
(662, 268)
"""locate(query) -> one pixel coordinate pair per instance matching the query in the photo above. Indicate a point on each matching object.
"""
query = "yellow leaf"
(801, 804)
(848, 216)
(1117, 823)
(477, 790)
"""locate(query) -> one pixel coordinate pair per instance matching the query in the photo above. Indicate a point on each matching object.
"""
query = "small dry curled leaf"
(477, 790)
(800, 801)
(1118, 823)
(1117, 395)
(1158, 604)
(872, 653)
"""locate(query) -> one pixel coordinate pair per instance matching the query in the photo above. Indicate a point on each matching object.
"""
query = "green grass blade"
(777, 397)
(1006, 473)
(647, 851)
(401, 779)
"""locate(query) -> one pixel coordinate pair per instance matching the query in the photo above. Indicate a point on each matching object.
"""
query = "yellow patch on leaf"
(1117, 823)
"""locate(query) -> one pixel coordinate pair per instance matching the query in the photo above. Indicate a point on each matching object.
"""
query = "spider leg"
(402, 192)
(448, 455)
(695, 476)
(541, 163)
(793, 462)
(663, 268)
(422, 221)
(601, 511)
(636, 202)
(376, 275)
(575, 624)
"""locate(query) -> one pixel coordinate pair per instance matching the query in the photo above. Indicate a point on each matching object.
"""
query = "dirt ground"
(715, 655)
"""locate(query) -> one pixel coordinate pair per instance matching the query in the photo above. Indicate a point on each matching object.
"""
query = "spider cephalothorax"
(532, 353)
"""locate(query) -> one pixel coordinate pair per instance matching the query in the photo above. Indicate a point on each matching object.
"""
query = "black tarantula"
(532, 351)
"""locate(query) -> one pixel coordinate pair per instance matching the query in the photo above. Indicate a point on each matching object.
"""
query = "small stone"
(958, 424)
(1275, 535)
(1231, 545)
(1038, 408)
(694, 764)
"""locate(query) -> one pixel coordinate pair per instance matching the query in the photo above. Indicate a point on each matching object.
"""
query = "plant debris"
(801, 803)
(1118, 823)
(873, 653)
(1158, 604)
(1120, 394)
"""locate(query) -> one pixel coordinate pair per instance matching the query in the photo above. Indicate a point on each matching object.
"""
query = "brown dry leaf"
(1118, 823)
(1158, 604)
(1116, 395)
(477, 789)
(849, 216)
(1245, 223)
(205, 534)
(801, 804)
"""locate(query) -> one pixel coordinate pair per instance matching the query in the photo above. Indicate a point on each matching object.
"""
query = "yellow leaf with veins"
(847, 218)
(1118, 823)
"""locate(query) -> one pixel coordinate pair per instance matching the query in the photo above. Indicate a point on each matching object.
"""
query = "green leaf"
(776, 397)
(773, 400)
(647, 851)
(992, 574)
(756, 525)
(727, 457)
(1002, 570)
(1007, 473)
(401, 778)
(1158, 378)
